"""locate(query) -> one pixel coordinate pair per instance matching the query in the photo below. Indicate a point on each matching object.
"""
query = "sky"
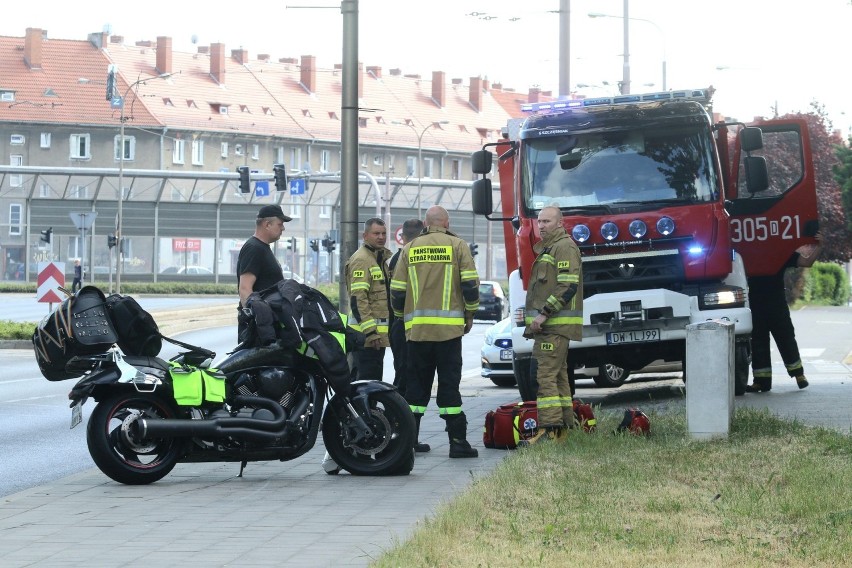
(760, 55)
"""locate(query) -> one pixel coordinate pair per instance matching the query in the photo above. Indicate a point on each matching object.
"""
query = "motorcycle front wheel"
(390, 448)
(115, 448)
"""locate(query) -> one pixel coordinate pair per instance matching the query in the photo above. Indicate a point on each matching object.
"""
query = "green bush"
(16, 330)
(826, 283)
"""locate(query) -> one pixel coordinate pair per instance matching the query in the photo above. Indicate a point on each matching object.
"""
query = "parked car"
(497, 362)
(191, 270)
(493, 304)
(497, 354)
(288, 275)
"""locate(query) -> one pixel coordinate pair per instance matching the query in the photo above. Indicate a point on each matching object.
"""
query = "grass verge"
(775, 493)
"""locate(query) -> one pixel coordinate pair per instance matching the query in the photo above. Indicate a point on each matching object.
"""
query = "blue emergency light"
(699, 95)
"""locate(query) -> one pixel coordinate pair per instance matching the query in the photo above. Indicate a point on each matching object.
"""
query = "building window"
(325, 161)
(78, 192)
(363, 159)
(15, 219)
(44, 190)
(17, 139)
(455, 169)
(129, 152)
(295, 210)
(178, 151)
(16, 180)
(377, 160)
(197, 152)
(296, 158)
(279, 155)
(411, 165)
(255, 151)
(428, 166)
(80, 146)
(325, 208)
(223, 149)
(238, 149)
(45, 139)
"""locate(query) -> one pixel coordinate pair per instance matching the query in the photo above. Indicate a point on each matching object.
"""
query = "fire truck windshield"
(640, 168)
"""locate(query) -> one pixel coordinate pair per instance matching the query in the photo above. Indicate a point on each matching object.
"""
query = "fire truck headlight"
(721, 297)
(609, 231)
(581, 233)
(665, 226)
(695, 250)
(637, 228)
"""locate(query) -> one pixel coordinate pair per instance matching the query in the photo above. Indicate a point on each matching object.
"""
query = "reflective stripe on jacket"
(435, 286)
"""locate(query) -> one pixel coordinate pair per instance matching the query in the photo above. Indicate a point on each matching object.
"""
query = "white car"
(497, 362)
(497, 354)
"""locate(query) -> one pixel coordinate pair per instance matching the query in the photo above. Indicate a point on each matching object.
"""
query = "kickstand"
(242, 467)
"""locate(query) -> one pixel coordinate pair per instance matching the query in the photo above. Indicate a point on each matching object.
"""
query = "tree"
(836, 234)
(843, 176)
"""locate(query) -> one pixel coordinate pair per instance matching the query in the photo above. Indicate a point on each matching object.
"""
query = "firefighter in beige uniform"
(367, 279)
(554, 315)
(435, 288)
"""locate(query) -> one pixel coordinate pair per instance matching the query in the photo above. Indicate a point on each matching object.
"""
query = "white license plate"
(505, 354)
(76, 413)
(632, 336)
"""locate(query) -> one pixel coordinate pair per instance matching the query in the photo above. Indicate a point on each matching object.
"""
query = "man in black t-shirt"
(257, 267)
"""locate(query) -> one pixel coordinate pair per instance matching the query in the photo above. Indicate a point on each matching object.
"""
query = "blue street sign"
(261, 188)
(297, 186)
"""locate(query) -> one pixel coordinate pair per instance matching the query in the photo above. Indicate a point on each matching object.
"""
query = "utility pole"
(349, 142)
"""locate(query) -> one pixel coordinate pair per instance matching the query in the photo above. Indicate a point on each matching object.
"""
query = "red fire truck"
(670, 212)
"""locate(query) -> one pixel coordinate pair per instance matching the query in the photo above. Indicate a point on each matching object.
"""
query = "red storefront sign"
(186, 245)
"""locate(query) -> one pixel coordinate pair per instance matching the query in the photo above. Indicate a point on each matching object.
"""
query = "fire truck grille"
(615, 274)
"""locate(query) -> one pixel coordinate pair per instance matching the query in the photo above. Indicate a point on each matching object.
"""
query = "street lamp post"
(434, 124)
(625, 17)
(118, 219)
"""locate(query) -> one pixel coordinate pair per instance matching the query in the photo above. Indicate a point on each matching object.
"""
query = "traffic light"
(280, 171)
(46, 235)
(110, 84)
(473, 249)
(315, 245)
(111, 240)
(328, 244)
(244, 179)
(291, 243)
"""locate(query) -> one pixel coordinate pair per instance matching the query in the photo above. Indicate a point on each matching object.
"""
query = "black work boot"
(457, 432)
(761, 384)
(419, 447)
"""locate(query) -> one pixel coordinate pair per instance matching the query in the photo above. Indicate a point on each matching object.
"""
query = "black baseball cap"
(272, 211)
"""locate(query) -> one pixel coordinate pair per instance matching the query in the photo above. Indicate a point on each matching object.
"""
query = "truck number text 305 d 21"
(748, 229)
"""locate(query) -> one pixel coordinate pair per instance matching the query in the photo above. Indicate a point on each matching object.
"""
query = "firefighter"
(554, 315)
(410, 230)
(367, 280)
(435, 289)
(771, 315)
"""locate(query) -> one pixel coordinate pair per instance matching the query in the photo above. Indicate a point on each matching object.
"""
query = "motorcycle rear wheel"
(117, 452)
(389, 451)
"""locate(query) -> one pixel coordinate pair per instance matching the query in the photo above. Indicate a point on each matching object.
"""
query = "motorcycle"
(270, 406)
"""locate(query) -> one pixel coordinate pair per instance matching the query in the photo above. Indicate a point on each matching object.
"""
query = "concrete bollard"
(709, 379)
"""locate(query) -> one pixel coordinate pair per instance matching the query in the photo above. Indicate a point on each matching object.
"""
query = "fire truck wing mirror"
(481, 162)
(756, 174)
(751, 139)
(481, 197)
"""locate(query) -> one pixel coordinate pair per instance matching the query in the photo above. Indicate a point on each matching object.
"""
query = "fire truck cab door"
(768, 226)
